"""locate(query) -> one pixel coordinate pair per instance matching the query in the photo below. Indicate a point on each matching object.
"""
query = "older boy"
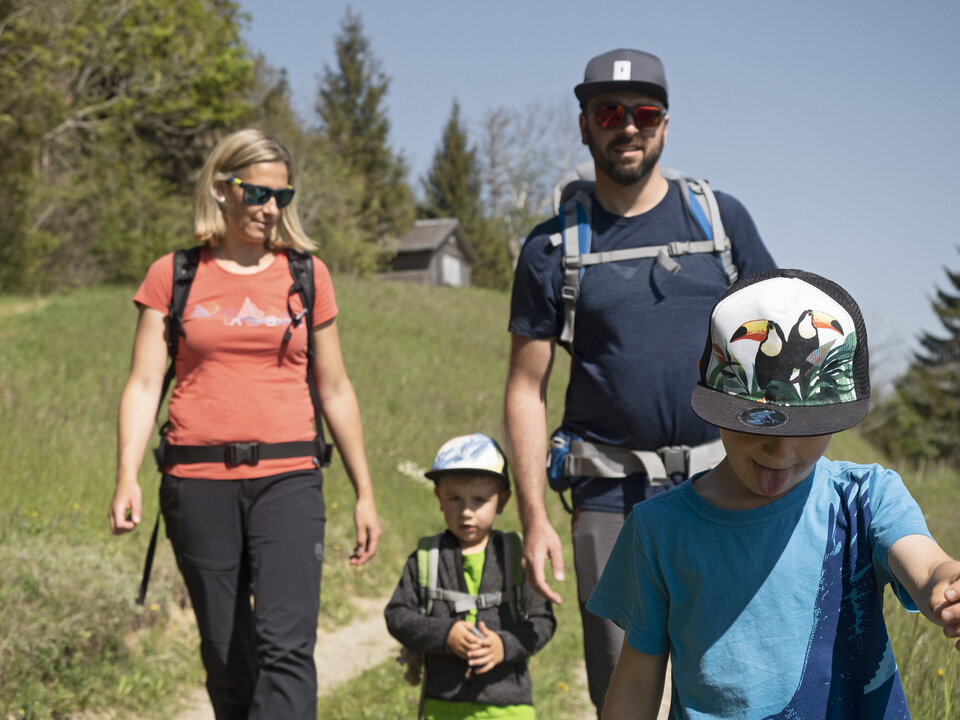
(763, 578)
(476, 622)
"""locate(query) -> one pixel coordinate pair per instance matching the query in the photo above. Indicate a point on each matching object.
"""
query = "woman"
(251, 526)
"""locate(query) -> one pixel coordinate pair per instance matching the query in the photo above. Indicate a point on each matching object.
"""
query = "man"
(638, 333)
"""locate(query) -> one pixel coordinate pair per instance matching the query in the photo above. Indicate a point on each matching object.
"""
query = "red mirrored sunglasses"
(611, 115)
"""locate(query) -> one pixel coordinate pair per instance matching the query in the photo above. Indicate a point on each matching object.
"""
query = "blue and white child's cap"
(786, 354)
(476, 454)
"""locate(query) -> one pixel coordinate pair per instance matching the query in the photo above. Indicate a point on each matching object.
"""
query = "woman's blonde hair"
(231, 155)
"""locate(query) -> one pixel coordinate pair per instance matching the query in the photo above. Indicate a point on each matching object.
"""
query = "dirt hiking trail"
(349, 651)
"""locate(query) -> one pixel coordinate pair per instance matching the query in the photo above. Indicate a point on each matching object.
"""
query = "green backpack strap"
(428, 560)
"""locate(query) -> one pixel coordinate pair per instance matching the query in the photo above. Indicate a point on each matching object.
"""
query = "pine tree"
(452, 185)
(452, 189)
(936, 396)
(926, 405)
(350, 106)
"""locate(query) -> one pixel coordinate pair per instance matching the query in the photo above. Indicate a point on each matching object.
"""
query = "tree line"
(109, 107)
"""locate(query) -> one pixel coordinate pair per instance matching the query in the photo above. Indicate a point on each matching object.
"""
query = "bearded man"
(639, 333)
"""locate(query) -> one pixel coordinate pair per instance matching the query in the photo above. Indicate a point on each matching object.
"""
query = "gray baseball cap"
(624, 70)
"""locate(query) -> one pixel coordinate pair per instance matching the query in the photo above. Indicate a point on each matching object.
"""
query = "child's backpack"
(572, 202)
(185, 264)
(428, 559)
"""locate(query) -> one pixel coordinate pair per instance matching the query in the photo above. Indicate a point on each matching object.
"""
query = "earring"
(221, 199)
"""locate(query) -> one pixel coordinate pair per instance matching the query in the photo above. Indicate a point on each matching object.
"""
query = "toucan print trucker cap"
(786, 354)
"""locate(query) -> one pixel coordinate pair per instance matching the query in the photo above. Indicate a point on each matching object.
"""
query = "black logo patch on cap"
(761, 417)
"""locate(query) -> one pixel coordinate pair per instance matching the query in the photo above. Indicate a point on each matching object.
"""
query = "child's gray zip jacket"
(506, 684)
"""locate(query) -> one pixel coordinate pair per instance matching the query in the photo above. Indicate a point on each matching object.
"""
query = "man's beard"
(624, 174)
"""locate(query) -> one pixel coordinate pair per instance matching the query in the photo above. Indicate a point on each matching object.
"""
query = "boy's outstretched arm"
(636, 687)
(931, 577)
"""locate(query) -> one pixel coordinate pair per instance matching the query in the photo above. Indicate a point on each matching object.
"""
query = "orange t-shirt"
(236, 381)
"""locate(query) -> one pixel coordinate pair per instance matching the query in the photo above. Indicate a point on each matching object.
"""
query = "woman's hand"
(368, 531)
(125, 508)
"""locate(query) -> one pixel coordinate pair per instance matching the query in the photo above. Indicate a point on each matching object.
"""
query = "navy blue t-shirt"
(639, 328)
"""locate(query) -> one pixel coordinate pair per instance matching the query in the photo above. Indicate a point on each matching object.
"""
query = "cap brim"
(437, 474)
(585, 91)
(733, 413)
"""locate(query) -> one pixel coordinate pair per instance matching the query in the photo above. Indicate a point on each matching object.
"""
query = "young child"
(477, 628)
(763, 578)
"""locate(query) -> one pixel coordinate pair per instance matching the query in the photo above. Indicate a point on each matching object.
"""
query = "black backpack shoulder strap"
(301, 270)
(185, 264)
(513, 575)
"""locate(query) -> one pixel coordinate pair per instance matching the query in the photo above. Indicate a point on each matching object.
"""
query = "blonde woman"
(241, 491)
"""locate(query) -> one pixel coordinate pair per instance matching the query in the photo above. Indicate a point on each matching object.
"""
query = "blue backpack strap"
(702, 205)
(574, 213)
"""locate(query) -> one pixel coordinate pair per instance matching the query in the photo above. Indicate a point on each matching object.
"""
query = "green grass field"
(427, 364)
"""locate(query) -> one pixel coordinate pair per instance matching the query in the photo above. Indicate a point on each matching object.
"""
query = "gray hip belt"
(590, 459)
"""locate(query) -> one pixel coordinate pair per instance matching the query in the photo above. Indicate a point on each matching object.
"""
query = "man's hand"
(488, 654)
(541, 543)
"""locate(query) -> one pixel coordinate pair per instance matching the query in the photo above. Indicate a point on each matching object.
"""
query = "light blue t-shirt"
(774, 612)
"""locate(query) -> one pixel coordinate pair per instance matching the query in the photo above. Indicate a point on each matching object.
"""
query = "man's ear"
(502, 498)
(436, 491)
(583, 130)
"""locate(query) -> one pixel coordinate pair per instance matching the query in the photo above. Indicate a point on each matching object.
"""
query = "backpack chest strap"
(669, 250)
(464, 602)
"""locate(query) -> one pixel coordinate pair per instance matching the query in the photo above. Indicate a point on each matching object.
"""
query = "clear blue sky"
(836, 123)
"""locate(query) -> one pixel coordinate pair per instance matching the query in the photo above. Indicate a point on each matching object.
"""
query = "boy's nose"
(776, 446)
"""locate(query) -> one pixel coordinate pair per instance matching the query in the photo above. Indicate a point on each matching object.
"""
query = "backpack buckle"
(569, 293)
(243, 453)
(675, 459)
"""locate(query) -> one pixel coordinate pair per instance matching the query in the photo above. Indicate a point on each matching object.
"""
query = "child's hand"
(461, 639)
(948, 611)
(488, 654)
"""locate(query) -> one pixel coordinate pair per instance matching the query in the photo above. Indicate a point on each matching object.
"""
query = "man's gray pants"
(594, 534)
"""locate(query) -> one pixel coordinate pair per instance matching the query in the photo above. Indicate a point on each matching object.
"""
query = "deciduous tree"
(524, 154)
(108, 108)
